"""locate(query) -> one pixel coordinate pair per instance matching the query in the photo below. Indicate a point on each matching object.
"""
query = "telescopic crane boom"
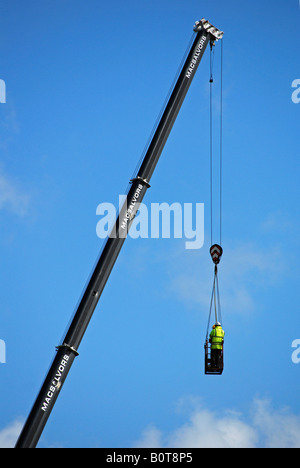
(68, 350)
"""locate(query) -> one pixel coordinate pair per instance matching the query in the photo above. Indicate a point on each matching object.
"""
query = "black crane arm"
(68, 350)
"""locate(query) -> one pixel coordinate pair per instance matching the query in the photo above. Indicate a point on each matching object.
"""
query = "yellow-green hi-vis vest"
(217, 336)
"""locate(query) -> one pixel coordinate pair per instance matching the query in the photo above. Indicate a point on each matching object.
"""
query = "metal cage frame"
(209, 368)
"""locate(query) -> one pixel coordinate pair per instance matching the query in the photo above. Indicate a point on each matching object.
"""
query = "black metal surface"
(60, 367)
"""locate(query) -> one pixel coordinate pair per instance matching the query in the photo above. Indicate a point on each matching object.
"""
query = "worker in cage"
(216, 339)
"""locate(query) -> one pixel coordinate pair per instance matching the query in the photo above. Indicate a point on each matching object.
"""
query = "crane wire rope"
(215, 302)
(211, 80)
(211, 137)
(221, 144)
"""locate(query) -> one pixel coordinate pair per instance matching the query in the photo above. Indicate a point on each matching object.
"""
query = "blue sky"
(85, 82)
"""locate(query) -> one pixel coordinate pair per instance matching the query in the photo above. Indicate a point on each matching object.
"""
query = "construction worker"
(216, 339)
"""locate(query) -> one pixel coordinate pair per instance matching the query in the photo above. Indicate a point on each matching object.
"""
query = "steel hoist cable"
(211, 138)
(216, 250)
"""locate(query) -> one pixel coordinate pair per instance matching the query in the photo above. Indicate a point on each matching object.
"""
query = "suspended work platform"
(214, 365)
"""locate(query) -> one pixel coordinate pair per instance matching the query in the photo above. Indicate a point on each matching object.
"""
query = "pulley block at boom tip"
(206, 25)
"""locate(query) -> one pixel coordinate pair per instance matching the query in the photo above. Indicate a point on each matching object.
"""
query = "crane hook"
(216, 253)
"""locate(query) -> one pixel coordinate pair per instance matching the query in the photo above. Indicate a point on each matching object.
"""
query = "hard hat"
(218, 324)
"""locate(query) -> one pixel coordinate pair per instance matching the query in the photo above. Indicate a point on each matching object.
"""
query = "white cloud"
(265, 427)
(10, 434)
(278, 428)
(151, 437)
(12, 198)
(206, 429)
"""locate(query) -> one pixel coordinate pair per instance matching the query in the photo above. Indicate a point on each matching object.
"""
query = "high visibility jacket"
(217, 336)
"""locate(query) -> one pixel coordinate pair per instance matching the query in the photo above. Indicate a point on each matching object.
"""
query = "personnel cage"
(214, 360)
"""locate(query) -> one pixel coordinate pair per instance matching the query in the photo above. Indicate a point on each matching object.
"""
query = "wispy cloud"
(264, 427)
(244, 269)
(151, 438)
(12, 198)
(10, 434)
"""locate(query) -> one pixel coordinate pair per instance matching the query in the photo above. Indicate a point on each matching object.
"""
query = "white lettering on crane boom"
(55, 384)
(196, 57)
(130, 210)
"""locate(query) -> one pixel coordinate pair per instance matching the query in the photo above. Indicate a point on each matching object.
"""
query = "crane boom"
(68, 350)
